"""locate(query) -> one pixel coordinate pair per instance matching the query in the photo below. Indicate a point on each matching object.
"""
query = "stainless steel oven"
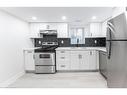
(45, 62)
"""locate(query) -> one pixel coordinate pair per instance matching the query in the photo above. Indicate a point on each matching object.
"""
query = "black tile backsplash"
(66, 42)
(89, 42)
(36, 42)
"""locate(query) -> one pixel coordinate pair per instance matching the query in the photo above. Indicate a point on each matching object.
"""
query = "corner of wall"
(12, 79)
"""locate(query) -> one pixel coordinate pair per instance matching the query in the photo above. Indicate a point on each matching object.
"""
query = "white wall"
(13, 38)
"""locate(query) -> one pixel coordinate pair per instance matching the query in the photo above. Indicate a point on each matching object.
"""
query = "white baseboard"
(11, 80)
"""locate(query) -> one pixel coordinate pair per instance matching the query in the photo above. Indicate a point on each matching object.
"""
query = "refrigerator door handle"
(111, 25)
(109, 43)
(111, 28)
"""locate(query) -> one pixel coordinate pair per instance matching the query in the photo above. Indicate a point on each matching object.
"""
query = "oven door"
(46, 59)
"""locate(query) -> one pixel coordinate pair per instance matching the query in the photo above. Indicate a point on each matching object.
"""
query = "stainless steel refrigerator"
(116, 44)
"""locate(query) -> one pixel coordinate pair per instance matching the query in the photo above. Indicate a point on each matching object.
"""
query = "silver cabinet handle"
(62, 51)
(90, 52)
(62, 57)
(62, 65)
(29, 51)
(80, 56)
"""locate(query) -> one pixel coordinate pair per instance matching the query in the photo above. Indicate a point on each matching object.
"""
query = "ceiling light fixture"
(34, 18)
(64, 17)
(94, 17)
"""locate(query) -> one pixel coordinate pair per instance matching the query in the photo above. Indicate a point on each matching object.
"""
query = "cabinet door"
(62, 66)
(92, 60)
(84, 60)
(95, 29)
(74, 60)
(62, 30)
(29, 60)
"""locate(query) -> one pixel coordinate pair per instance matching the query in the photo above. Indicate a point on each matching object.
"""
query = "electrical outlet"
(62, 42)
(95, 41)
(39, 42)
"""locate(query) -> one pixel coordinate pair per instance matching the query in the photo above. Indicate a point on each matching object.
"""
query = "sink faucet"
(77, 42)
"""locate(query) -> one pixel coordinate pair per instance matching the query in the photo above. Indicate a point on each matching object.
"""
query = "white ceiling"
(54, 14)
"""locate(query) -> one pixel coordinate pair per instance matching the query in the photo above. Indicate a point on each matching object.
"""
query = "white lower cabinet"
(84, 60)
(76, 60)
(63, 60)
(29, 60)
(93, 60)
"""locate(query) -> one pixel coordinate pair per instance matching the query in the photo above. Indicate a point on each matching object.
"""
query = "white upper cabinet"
(87, 31)
(62, 29)
(104, 28)
(96, 30)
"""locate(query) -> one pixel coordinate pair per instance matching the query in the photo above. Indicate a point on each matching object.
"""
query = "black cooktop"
(46, 49)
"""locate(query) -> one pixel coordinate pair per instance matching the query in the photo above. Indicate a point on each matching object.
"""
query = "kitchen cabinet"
(29, 60)
(93, 60)
(76, 60)
(79, 60)
(87, 33)
(74, 63)
(103, 63)
(63, 60)
(104, 28)
(84, 60)
(62, 29)
(96, 30)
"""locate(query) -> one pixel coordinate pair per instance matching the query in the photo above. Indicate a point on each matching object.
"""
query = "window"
(77, 35)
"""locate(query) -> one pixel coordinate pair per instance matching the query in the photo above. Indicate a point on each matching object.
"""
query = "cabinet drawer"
(63, 58)
(62, 67)
(62, 52)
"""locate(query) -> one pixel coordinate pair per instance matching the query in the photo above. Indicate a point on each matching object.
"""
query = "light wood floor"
(61, 80)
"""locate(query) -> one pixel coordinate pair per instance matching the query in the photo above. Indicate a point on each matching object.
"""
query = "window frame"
(76, 29)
